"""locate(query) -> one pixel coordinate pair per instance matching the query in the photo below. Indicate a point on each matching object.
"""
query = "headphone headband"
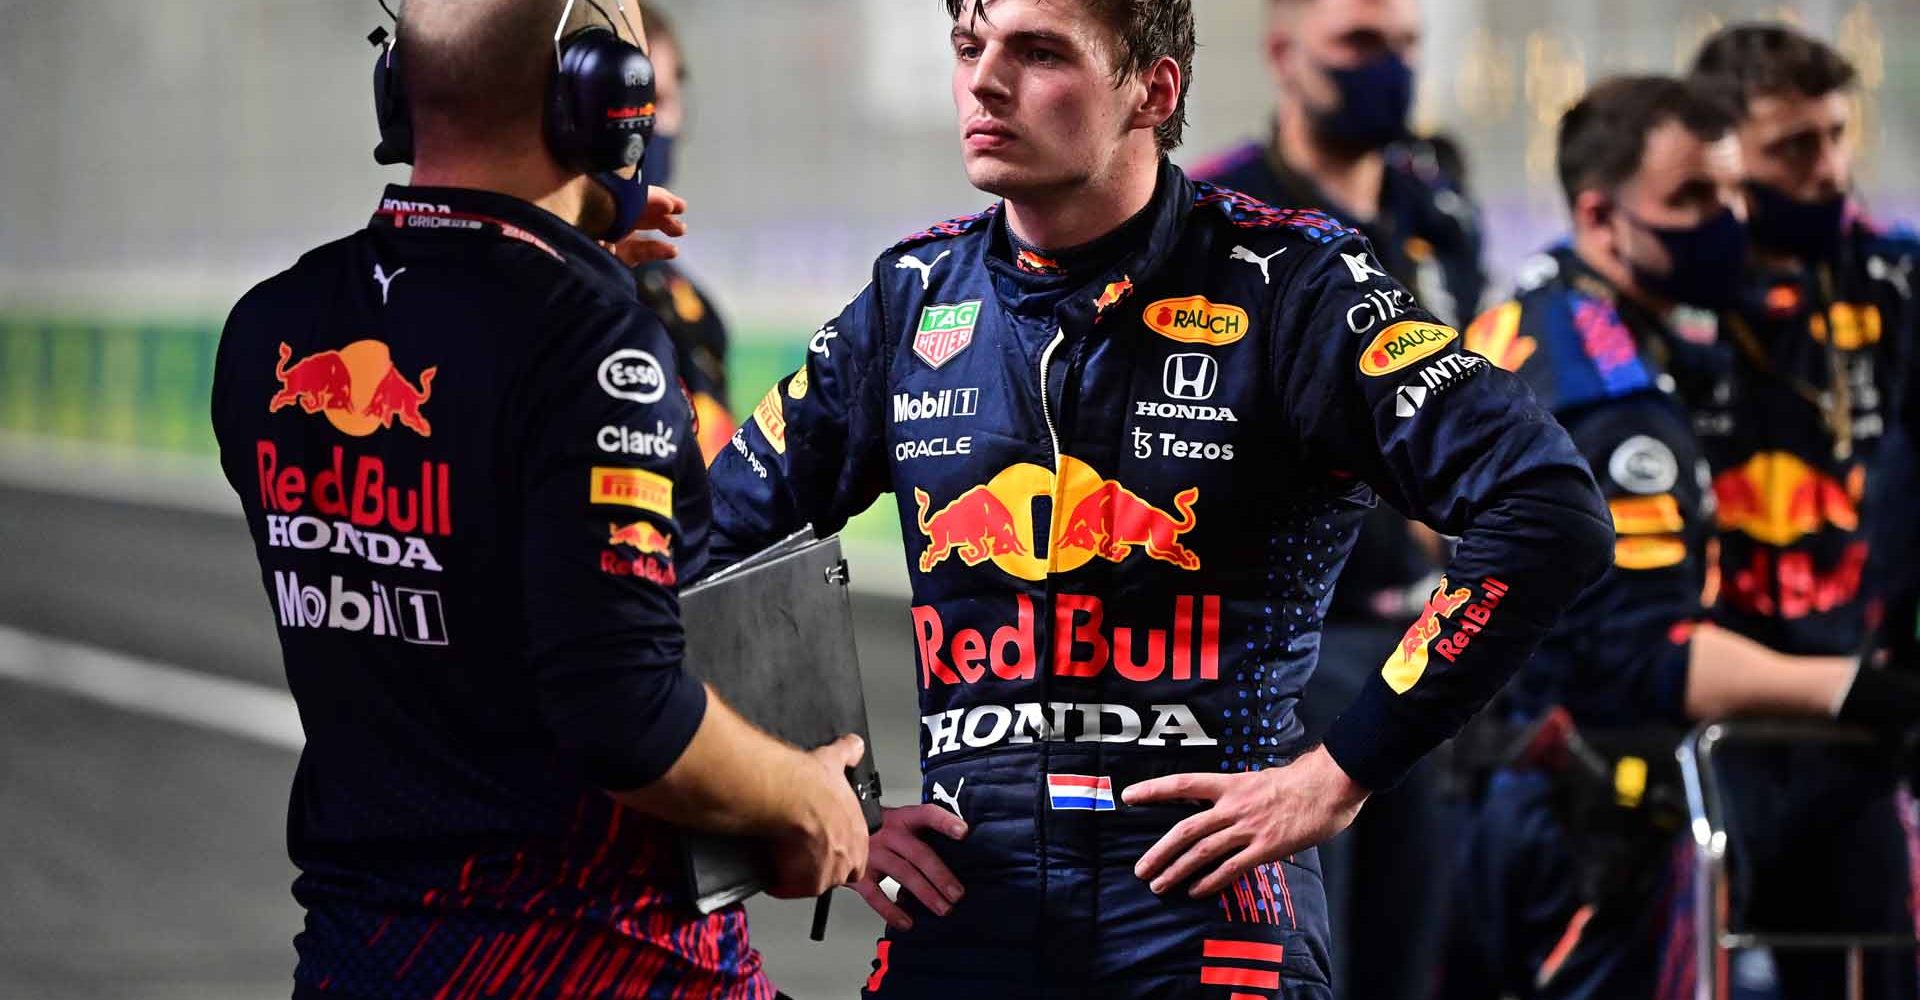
(600, 109)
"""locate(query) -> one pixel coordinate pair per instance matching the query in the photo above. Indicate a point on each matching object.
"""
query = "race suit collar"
(1145, 248)
(505, 217)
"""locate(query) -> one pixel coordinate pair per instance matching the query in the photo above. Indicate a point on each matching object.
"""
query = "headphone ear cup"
(391, 112)
(603, 103)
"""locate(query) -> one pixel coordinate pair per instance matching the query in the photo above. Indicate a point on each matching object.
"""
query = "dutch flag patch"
(1080, 791)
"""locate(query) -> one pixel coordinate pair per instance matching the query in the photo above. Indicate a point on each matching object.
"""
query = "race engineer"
(1129, 432)
(1338, 141)
(1556, 897)
(699, 334)
(475, 595)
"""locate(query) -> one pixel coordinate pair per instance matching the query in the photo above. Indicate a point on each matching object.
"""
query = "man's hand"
(827, 845)
(899, 852)
(1255, 817)
(664, 216)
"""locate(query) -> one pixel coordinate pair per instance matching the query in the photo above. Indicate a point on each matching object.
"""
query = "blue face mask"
(629, 202)
(1709, 262)
(1375, 100)
(657, 168)
(1810, 230)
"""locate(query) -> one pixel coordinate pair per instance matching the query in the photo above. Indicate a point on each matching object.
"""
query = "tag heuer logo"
(945, 331)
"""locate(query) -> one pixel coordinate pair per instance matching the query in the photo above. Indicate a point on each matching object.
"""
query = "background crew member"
(1819, 340)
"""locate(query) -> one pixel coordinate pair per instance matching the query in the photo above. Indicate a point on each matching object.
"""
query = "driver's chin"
(1012, 181)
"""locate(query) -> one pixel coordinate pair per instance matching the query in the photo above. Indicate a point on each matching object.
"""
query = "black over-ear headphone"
(600, 108)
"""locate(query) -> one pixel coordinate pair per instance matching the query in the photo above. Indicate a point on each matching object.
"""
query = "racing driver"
(1130, 422)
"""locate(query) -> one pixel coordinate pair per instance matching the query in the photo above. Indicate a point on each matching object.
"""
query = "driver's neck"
(1353, 180)
(1059, 220)
(530, 174)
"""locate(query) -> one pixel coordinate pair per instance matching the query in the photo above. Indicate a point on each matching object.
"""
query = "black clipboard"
(773, 635)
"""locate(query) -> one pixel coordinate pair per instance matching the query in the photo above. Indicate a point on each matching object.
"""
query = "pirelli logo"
(635, 488)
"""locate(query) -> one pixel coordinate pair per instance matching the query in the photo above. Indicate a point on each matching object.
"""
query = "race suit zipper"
(1046, 406)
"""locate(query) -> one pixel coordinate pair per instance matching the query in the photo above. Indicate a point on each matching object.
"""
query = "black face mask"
(1709, 262)
(1810, 230)
(657, 168)
(1375, 100)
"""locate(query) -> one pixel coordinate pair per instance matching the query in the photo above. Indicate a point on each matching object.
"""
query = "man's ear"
(1593, 213)
(1279, 48)
(1163, 84)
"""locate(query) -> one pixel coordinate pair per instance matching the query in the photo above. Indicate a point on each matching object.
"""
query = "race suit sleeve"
(599, 534)
(814, 451)
(1626, 638)
(1450, 440)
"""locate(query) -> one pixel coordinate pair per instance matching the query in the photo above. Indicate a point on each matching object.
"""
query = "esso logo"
(634, 375)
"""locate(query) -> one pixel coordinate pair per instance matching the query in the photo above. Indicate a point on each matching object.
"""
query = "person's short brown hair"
(1149, 30)
(1604, 137)
(1761, 60)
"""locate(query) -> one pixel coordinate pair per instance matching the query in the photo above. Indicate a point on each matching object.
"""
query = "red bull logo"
(1789, 585)
(977, 526)
(1408, 663)
(1113, 520)
(365, 494)
(1115, 293)
(641, 537)
(1085, 644)
(1093, 517)
(357, 387)
(1778, 499)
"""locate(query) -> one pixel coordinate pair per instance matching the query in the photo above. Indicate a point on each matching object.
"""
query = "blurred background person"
(1339, 141)
(699, 334)
(1574, 883)
(1818, 343)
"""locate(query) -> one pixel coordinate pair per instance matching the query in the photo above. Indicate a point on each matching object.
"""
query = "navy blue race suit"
(472, 483)
(1127, 496)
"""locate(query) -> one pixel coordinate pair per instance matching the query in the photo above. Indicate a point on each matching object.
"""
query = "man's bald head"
(477, 72)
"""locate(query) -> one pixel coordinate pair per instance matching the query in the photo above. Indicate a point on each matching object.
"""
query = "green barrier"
(148, 386)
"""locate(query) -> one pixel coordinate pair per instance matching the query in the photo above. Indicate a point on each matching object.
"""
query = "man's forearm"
(1729, 674)
(732, 778)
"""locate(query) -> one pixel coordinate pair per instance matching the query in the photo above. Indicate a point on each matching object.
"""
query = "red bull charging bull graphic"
(1408, 663)
(1778, 499)
(1093, 517)
(641, 537)
(357, 387)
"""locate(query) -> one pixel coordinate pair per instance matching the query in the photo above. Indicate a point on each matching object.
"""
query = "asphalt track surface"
(144, 858)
